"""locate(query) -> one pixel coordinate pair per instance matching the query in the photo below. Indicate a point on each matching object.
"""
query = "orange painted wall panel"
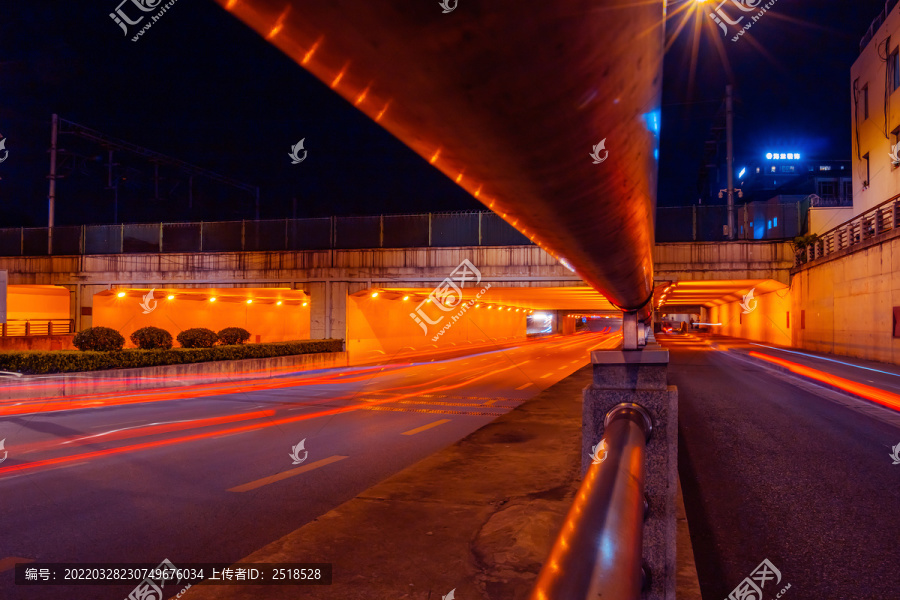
(378, 325)
(270, 322)
(37, 302)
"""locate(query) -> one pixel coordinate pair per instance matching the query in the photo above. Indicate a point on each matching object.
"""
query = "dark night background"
(202, 87)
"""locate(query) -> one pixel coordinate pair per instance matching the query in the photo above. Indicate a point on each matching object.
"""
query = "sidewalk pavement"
(478, 517)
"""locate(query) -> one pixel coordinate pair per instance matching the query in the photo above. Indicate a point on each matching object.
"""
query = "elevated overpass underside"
(329, 293)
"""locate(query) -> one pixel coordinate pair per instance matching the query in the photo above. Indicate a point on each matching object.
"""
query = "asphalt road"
(205, 474)
(785, 471)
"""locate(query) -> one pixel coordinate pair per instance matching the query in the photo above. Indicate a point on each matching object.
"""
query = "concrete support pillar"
(328, 308)
(630, 326)
(81, 306)
(318, 309)
(639, 376)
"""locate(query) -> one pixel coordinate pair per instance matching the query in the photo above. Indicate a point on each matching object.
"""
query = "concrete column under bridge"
(328, 301)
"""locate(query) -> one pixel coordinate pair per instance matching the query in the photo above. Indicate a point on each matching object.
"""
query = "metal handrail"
(875, 221)
(29, 327)
(597, 554)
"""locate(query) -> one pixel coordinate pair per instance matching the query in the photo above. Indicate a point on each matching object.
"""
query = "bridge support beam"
(639, 377)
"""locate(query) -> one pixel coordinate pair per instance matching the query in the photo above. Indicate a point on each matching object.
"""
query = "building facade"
(875, 112)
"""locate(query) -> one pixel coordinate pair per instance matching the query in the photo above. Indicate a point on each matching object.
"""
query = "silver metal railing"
(598, 553)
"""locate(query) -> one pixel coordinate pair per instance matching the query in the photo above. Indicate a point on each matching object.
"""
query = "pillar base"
(639, 376)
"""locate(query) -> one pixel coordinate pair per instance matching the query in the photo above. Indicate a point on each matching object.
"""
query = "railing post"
(49, 327)
(638, 377)
(694, 222)
(4, 330)
(27, 327)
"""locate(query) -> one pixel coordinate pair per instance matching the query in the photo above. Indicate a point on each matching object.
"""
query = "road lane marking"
(424, 427)
(547, 375)
(286, 474)
(522, 387)
(10, 561)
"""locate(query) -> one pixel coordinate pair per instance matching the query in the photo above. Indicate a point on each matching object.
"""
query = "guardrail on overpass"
(482, 228)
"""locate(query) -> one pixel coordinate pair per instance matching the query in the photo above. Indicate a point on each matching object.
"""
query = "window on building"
(775, 222)
(847, 189)
(757, 169)
(769, 224)
(826, 188)
(865, 97)
(824, 167)
(866, 161)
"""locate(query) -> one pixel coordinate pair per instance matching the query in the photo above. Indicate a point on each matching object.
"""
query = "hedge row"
(34, 362)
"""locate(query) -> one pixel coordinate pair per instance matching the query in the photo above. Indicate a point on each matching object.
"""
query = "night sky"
(202, 87)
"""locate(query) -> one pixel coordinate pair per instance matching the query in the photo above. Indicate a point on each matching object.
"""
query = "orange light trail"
(868, 392)
(269, 422)
(145, 431)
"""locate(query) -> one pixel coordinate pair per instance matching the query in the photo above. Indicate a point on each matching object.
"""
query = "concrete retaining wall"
(37, 342)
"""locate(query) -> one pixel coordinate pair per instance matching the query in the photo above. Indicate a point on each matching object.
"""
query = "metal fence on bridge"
(760, 221)
(386, 231)
(753, 221)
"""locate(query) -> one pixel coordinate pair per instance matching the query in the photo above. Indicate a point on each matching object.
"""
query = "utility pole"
(51, 197)
(114, 187)
(729, 125)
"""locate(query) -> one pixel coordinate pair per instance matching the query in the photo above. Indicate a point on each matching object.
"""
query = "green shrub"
(198, 337)
(101, 339)
(231, 336)
(152, 338)
(35, 362)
